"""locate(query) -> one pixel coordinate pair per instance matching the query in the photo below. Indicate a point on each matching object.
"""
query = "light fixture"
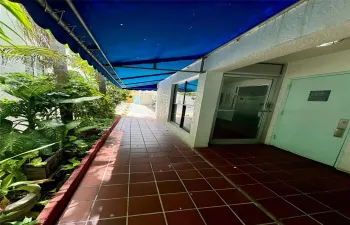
(329, 43)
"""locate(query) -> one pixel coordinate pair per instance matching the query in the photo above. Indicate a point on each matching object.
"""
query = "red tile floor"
(145, 175)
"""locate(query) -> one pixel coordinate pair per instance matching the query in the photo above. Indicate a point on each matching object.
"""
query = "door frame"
(265, 121)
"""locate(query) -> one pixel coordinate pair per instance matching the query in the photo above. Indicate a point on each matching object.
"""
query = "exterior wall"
(335, 62)
(206, 104)
(204, 109)
(164, 100)
(306, 25)
(165, 91)
(147, 97)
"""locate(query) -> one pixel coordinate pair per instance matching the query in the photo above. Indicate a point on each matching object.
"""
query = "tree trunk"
(60, 69)
(102, 84)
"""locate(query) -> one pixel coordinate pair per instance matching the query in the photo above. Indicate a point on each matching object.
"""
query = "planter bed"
(47, 171)
(53, 210)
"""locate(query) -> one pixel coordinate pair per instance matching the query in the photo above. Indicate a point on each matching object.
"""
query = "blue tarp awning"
(158, 37)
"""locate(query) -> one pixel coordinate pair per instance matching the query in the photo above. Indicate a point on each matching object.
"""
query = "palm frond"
(16, 10)
(80, 100)
(21, 52)
(4, 37)
(15, 32)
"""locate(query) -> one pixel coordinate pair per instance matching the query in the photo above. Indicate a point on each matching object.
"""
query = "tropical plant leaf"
(22, 52)
(4, 202)
(14, 143)
(72, 124)
(82, 129)
(16, 10)
(80, 100)
(5, 127)
(26, 221)
(31, 188)
(40, 140)
(3, 35)
(6, 182)
(44, 202)
(37, 162)
(52, 130)
(73, 164)
(10, 28)
(33, 150)
(28, 91)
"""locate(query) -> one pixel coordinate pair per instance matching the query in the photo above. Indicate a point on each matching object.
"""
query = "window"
(183, 104)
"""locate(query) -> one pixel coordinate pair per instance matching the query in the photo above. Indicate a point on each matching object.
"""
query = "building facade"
(283, 83)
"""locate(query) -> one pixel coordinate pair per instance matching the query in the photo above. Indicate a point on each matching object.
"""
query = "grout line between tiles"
(99, 188)
(128, 199)
(283, 197)
(158, 193)
(241, 190)
(189, 194)
(218, 194)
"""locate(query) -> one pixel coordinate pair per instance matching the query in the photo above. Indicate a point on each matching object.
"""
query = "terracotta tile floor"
(145, 175)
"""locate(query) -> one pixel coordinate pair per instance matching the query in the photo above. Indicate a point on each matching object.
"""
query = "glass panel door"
(241, 108)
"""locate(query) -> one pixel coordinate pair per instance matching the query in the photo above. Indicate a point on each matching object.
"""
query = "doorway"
(242, 109)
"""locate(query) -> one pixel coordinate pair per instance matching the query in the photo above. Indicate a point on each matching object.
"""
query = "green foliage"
(34, 94)
(26, 221)
(116, 94)
(12, 51)
(8, 185)
(16, 10)
(74, 163)
(79, 87)
(79, 100)
(37, 162)
(37, 100)
(12, 169)
(14, 143)
(43, 202)
(27, 154)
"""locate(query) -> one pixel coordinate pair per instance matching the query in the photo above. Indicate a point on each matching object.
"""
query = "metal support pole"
(65, 26)
(77, 14)
(148, 68)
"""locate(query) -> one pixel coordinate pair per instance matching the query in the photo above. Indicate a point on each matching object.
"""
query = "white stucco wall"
(147, 97)
(335, 62)
(164, 95)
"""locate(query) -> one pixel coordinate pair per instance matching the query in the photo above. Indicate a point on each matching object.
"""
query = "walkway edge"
(53, 210)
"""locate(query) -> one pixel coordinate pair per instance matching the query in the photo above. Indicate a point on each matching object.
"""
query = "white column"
(208, 93)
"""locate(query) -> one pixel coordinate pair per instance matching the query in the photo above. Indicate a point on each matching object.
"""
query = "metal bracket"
(56, 11)
(71, 28)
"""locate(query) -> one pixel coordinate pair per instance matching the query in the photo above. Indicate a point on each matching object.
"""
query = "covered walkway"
(145, 175)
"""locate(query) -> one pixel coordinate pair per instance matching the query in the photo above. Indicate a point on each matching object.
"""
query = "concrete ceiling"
(313, 52)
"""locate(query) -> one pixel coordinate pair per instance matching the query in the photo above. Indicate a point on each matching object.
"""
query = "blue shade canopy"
(161, 36)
